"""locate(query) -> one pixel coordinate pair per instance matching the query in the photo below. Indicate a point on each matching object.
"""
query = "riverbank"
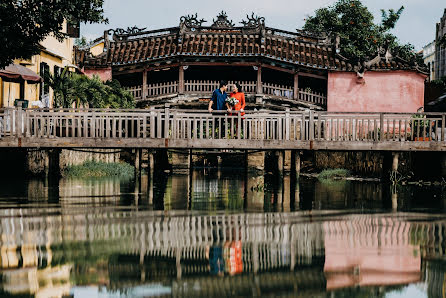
(99, 169)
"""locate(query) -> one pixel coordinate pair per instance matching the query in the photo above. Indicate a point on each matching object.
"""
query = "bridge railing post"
(166, 120)
(239, 125)
(311, 126)
(287, 124)
(19, 120)
(380, 137)
(443, 118)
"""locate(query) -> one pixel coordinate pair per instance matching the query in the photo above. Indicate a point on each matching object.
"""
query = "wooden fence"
(206, 87)
(194, 125)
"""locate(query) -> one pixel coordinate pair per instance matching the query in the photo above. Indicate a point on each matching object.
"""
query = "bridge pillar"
(395, 157)
(180, 162)
(295, 161)
(161, 160)
(255, 162)
(53, 163)
(280, 161)
(287, 161)
(137, 163)
(443, 164)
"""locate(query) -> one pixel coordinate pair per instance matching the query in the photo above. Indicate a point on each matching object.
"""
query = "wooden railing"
(200, 125)
(206, 87)
(278, 90)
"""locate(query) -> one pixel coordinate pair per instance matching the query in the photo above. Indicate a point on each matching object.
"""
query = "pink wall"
(104, 74)
(379, 91)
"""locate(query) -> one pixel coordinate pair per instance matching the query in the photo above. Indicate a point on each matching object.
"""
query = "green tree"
(25, 23)
(360, 37)
(83, 91)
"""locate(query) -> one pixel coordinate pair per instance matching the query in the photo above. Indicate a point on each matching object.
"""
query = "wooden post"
(311, 126)
(181, 80)
(18, 119)
(259, 87)
(296, 87)
(166, 120)
(137, 164)
(381, 126)
(296, 160)
(259, 80)
(144, 84)
(395, 156)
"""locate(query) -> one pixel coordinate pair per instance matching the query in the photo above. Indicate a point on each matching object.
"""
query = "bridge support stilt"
(180, 161)
(255, 162)
(280, 161)
(443, 165)
(395, 157)
(137, 163)
(287, 164)
(295, 160)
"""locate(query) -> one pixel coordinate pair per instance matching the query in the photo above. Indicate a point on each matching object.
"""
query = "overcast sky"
(416, 25)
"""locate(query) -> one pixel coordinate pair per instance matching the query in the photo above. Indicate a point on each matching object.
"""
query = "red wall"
(104, 74)
(379, 91)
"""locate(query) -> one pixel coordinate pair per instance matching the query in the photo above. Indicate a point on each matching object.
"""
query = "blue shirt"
(218, 100)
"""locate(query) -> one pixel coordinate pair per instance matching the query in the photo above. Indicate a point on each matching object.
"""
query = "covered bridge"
(276, 68)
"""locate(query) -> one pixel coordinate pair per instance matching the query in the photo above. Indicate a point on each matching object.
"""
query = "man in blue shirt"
(218, 100)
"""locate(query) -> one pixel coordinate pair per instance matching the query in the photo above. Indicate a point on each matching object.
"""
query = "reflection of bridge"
(151, 246)
(166, 128)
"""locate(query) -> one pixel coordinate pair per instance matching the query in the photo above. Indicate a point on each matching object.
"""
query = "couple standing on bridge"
(220, 100)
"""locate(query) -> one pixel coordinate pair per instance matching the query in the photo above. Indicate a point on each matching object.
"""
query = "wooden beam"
(181, 79)
(144, 84)
(312, 75)
(296, 87)
(259, 80)
(278, 68)
(220, 63)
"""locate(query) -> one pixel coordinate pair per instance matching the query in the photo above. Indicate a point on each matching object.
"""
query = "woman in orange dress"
(240, 96)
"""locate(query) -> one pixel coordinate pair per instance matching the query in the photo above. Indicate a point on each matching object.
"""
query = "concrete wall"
(104, 74)
(380, 91)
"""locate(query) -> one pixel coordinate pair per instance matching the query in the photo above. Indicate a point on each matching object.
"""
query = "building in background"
(429, 59)
(53, 57)
(440, 49)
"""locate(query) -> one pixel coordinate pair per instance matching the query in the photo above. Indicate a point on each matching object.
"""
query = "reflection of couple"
(220, 100)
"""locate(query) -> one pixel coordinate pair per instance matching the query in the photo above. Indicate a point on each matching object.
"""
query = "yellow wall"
(54, 53)
(97, 49)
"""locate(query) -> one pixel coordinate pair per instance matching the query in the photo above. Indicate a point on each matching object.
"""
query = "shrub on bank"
(333, 174)
(100, 169)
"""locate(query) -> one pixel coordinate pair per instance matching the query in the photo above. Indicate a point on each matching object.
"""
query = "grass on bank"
(333, 174)
(100, 169)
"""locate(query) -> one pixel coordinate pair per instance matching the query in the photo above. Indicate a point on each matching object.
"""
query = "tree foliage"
(79, 90)
(25, 23)
(360, 37)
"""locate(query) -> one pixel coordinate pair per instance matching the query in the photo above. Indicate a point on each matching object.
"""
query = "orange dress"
(240, 96)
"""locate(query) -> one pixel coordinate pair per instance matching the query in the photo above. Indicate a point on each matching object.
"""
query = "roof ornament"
(119, 34)
(128, 31)
(253, 21)
(192, 20)
(222, 21)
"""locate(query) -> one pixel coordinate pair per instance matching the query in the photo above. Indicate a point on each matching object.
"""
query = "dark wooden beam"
(312, 75)
(278, 68)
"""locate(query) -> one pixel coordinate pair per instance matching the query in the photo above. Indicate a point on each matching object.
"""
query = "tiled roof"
(224, 40)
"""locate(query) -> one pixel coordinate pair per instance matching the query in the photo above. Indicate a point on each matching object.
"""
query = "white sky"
(416, 25)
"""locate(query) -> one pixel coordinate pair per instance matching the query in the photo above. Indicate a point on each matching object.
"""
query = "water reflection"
(190, 236)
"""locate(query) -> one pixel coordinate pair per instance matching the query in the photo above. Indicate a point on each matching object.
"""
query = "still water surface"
(217, 234)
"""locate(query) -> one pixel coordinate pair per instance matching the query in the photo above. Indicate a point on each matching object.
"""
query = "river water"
(217, 234)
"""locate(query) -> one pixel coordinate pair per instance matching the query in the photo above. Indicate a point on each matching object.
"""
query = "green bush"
(100, 169)
(333, 174)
